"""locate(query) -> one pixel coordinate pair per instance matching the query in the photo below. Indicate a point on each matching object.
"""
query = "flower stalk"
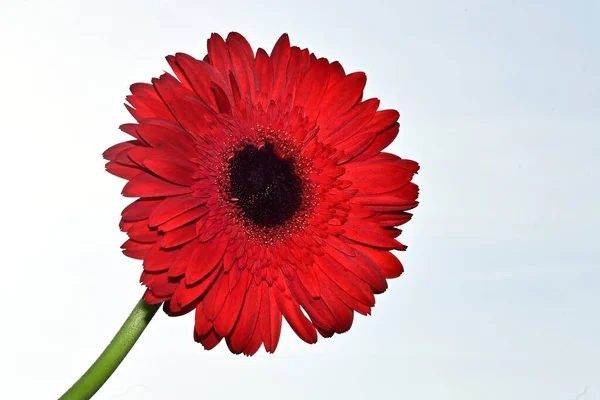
(115, 352)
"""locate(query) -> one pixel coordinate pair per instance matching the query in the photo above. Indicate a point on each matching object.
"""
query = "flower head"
(263, 193)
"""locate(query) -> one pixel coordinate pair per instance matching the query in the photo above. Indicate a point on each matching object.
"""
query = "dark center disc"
(267, 188)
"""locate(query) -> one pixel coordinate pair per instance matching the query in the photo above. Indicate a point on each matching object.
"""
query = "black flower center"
(267, 188)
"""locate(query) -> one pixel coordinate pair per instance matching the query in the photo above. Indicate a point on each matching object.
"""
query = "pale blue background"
(500, 103)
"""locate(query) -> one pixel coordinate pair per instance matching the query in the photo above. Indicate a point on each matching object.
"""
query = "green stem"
(115, 352)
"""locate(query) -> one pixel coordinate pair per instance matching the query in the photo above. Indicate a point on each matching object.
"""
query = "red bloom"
(263, 192)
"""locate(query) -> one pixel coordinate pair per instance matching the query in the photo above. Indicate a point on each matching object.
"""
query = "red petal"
(246, 323)
(137, 250)
(293, 315)
(336, 73)
(139, 209)
(347, 282)
(147, 103)
(214, 299)
(242, 59)
(111, 152)
(344, 296)
(145, 185)
(159, 259)
(201, 325)
(318, 312)
(205, 259)
(139, 154)
(188, 109)
(178, 71)
(224, 101)
(163, 287)
(209, 341)
(375, 178)
(122, 171)
(171, 207)
(203, 77)
(391, 220)
(383, 120)
(231, 308)
(296, 69)
(254, 344)
(150, 298)
(387, 199)
(188, 216)
(340, 311)
(180, 260)
(386, 126)
(179, 236)
(234, 39)
(218, 54)
(350, 123)
(410, 191)
(131, 129)
(342, 247)
(325, 333)
(212, 227)
(141, 232)
(186, 297)
(235, 90)
(340, 97)
(313, 85)
(228, 260)
(369, 233)
(406, 199)
(309, 281)
(172, 169)
(264, 72)
(387, 262)
(234, 276)
(168, 137)
(363, 267)
(269, 319)
(280, 57)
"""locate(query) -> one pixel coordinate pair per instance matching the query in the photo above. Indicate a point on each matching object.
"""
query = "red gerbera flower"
(263, 192)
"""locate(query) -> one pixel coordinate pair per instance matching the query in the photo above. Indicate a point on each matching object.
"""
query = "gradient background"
(500, 103)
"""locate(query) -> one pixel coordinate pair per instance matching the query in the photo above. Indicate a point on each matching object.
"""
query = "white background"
(499, 103)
